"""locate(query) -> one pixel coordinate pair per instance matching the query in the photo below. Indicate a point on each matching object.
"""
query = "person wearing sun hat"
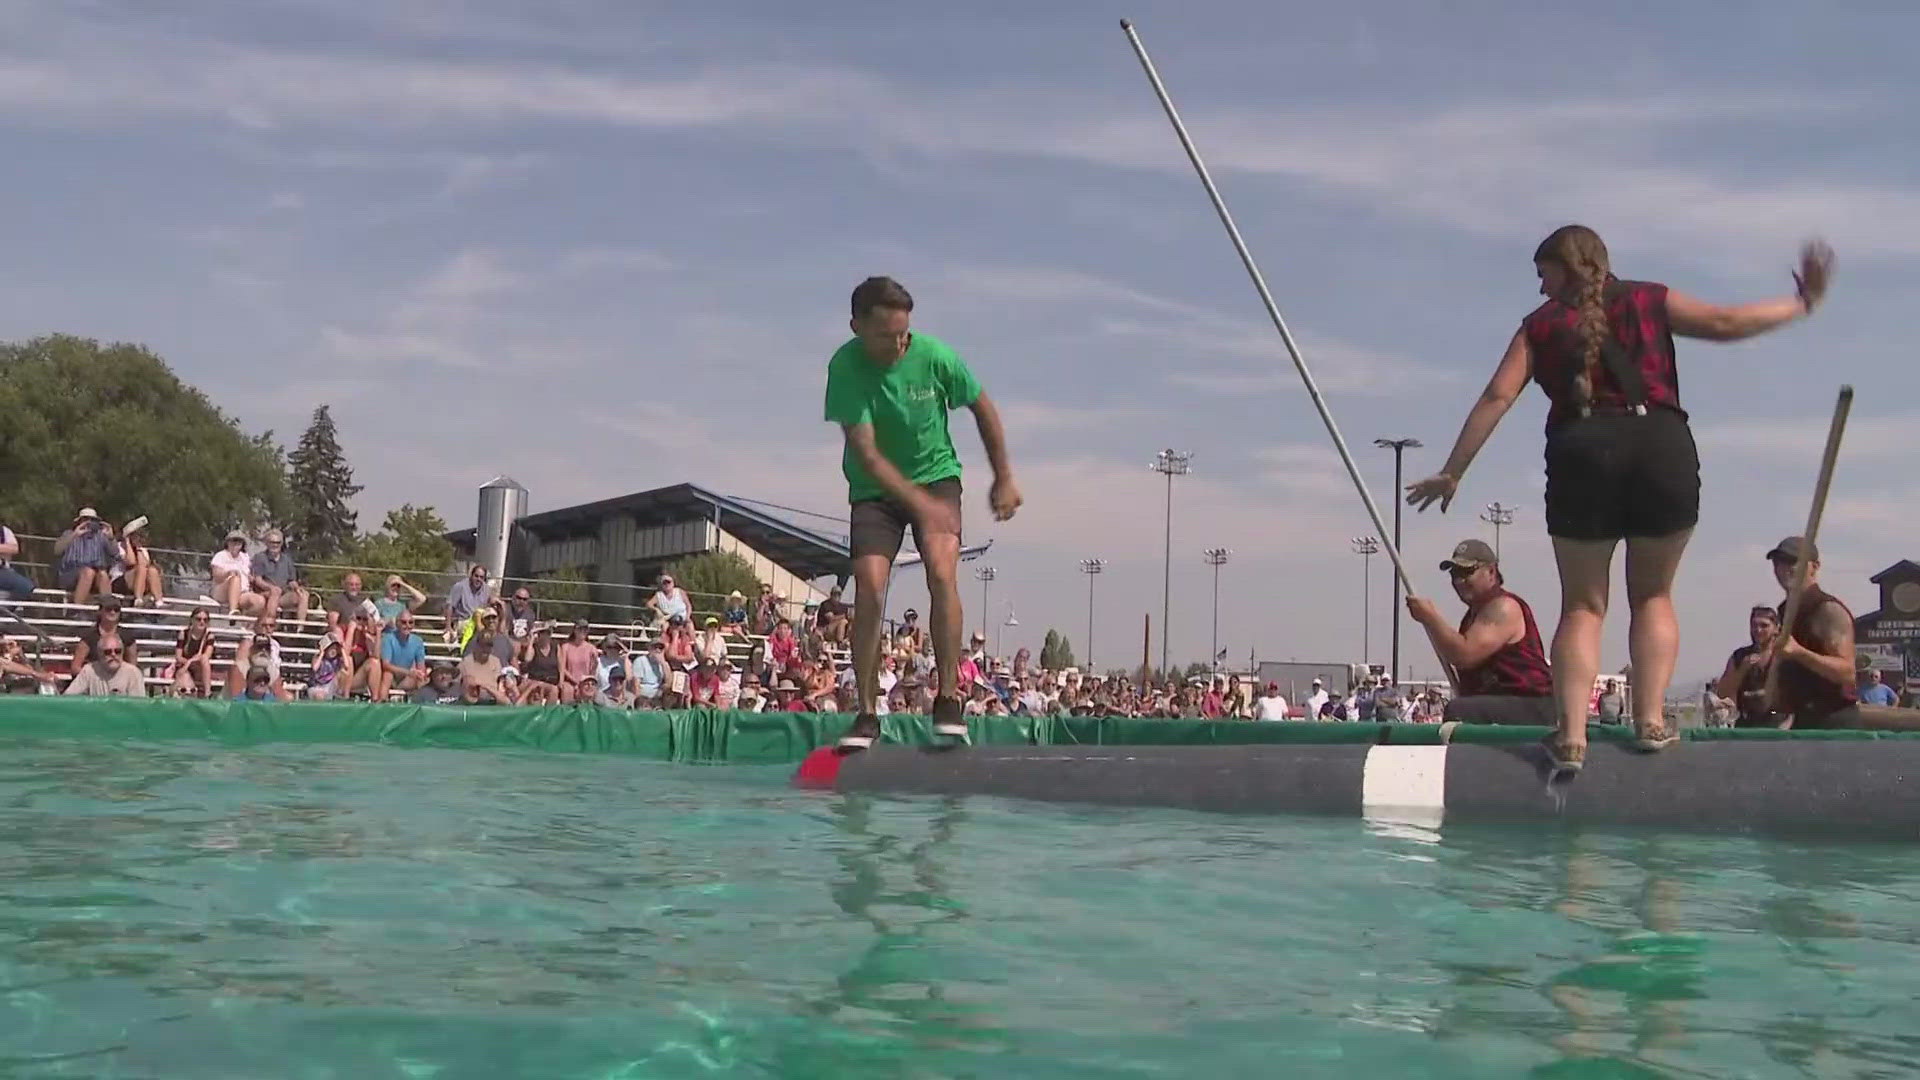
(86, 553)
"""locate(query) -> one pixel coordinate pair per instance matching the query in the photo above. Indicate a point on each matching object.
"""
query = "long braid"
(1581, 251)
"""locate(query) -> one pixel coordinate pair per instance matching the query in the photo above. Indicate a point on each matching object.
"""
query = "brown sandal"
(1563, 756)
(1654, 736)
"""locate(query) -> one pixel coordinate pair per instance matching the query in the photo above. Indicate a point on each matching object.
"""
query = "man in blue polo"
(890, 390)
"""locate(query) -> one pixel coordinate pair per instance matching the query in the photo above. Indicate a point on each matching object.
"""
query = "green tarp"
(702, 735)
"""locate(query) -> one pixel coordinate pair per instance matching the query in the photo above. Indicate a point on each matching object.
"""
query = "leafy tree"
(1197, 670)
(1057, 653)
(112, 427)
(709, 576)
(320, 482)
(562, 597)
(412, 541)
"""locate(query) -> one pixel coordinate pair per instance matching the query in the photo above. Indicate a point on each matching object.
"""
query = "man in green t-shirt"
(890, 390)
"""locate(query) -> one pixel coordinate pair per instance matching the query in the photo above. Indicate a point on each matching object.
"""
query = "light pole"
(1011, 621)
(1171, 463)
(1216, 558)
(1399, 447)
(1497, 515)
(986, 574)
(1091, 568)
(1366, 547)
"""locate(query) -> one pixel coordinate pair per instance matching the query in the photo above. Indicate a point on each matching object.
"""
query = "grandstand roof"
(800, 550)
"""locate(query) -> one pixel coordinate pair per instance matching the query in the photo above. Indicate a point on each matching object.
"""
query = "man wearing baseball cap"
(1502, 666)
(1816, 685)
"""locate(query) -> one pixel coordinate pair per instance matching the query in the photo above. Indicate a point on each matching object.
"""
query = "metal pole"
(1091, 568)
(1497, 515)
(1365, 547)
(1266, 297)
(1172, 463)
(986, 574)
(1216, 558)
(1399, 447)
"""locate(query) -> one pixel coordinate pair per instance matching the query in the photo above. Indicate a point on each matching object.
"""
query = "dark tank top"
(1517, 670)
(1804, 695)
(544, 666)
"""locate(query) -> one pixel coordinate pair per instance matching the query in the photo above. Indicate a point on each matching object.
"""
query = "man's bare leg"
(870, 574)
(941, 554)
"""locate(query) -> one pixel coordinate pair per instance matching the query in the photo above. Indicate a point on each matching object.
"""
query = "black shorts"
(877, 526)
(1610, 477)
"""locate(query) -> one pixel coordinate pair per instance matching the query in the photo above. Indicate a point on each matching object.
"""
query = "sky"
(606, 246)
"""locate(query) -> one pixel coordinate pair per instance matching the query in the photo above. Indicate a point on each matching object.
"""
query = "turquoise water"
(180, 910)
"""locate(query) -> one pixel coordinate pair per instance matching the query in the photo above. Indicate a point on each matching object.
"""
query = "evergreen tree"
(1050, 652)
(1064, 657)
(320, 482)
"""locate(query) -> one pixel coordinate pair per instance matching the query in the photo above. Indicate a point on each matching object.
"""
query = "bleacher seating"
(158, 629)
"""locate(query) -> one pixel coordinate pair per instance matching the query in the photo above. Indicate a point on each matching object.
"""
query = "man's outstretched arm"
(1005, 495)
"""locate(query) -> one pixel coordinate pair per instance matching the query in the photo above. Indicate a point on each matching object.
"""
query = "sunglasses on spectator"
(110, 653)
(521, 596)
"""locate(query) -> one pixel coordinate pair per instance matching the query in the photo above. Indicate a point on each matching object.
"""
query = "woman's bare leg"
(1585, 569)
(1653, 641)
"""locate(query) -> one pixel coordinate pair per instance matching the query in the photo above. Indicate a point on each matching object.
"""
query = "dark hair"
(1580, 251)
(878, 292)
(1765, 610)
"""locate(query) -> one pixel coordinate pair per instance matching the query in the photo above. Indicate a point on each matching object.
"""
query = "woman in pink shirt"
(579, 660)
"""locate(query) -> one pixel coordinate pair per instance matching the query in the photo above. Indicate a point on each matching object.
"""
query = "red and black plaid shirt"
(1637, 316)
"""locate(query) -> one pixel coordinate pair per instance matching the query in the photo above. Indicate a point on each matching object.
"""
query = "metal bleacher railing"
(54, 624)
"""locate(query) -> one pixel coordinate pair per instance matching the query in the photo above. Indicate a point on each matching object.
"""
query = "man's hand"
(935, 517)
(1423, 611)
(1004, 497)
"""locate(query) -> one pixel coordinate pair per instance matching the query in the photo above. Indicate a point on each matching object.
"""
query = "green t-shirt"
(907, 404)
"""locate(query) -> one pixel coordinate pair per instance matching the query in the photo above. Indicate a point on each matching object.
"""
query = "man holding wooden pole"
(1814, 686)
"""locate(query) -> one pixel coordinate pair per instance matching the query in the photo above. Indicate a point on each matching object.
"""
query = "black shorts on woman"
(1623, 464)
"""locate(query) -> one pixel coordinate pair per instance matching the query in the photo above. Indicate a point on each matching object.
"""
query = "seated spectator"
(586, 691)
(541, 667)
(85, 556)
(439, 689)
(751, 698)
(106, 620)
(766, 611)
(258, 652)
(510, 682)
(787, 697)
(728, 695)
(259, 687)
(734, 616)
(134, 573)
(193, 657)
(480, 672)
(518, 618)
(703, 685)
(17, 676)
(833, 620)
(679, 638)
(362, 642)
(912, 632)
(109, 674)
(351, 601)
(275, 579)
(669, 600)
(711, 644)
(332, 674)
(649, 676)
(820, 687)
(468, 595)
(392, 604)
(612, 658)
(403, 660)
(674, 696)
(617, 695)
(232, 571)
(13, 583)
(579, 659)
(485, 626)
(783, 648)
